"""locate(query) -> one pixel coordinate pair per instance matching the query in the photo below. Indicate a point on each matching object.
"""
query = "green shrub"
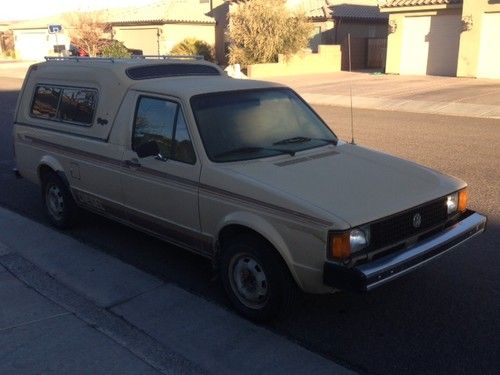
(259, 30)
(114, 48)
(193, 46)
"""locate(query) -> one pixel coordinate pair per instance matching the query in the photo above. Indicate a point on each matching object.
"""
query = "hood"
(349, 182)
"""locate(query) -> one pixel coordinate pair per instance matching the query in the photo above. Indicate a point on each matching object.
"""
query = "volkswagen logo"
(417, 220)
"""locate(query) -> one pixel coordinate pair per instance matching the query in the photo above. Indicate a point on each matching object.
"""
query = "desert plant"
(88, 32)
(260, 30)
(193, 46)
(114, 48)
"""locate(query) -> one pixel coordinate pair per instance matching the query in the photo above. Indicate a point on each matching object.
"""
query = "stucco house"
(154, 29)
(157, 27)
(333, 20)
(443, 37)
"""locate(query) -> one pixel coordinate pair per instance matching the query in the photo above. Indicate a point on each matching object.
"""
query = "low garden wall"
(327, 60)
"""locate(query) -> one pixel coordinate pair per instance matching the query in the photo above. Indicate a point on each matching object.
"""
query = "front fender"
(266, 230)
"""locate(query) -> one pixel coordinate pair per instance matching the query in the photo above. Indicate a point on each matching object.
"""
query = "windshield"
(252, 124)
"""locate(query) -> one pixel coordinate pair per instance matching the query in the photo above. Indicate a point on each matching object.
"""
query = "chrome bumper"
(373, 274)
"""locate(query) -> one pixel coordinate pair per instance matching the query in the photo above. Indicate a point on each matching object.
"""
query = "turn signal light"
(463, 197)
(340, 246)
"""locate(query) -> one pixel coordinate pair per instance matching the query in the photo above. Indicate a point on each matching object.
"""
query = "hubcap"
(55, 202)
(248, 281)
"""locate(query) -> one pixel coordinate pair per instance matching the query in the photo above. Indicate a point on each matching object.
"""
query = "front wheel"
(256, 279)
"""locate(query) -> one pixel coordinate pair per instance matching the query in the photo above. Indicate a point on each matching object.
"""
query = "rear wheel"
(256, 278)
(59, 204)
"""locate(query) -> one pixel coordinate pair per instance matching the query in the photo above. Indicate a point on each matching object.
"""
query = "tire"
(256, 279)
(60, 207)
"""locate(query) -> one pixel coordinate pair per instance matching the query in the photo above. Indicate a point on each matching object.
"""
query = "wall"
(144, 38)
(327, 60)
(323, 33)
(470, 41)
(169, 36)
(220, 11)
(359, 30)
(175, 33)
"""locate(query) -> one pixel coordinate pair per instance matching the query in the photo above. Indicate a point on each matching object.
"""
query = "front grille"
(400, 226)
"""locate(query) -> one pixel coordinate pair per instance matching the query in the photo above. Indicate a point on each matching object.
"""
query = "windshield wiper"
(292, 140)
(249, 150)
(303, 140)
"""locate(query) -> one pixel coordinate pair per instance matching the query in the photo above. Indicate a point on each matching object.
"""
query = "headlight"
(343, 245)
(457, 201)
(452, 203)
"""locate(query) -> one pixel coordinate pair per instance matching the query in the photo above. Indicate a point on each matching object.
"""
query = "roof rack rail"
(168, 57)
(79, 58)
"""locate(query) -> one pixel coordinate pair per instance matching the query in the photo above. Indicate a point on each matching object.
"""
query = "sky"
(14, 10)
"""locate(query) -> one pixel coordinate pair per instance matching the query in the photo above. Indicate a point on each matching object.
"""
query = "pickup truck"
(243, 172)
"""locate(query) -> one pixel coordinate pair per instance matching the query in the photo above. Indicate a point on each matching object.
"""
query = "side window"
(64, 104)
(162, 122)
(183, 147)
(77, 105)
(154, 122)
(46, 102)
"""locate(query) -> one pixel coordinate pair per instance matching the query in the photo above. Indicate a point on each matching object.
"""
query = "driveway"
(423, 94)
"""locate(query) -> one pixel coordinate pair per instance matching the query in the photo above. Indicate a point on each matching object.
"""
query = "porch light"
(392, 27)
(467, 23)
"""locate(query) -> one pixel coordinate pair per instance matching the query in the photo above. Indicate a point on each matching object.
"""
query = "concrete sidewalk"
(69, 308)
(468, 97)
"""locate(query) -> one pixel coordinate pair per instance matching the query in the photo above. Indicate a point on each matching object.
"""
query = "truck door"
(161, 186)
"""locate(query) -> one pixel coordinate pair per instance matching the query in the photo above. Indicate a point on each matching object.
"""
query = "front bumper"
(373, 274)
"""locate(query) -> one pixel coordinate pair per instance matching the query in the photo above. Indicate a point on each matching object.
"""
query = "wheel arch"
(243, 222)
(49, 164)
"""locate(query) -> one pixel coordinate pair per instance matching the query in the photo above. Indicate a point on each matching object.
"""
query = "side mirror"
(149, 148)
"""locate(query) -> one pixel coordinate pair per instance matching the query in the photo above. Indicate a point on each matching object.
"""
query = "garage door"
(31, 46)
(489, 54)
(143, 39)
(430, 45)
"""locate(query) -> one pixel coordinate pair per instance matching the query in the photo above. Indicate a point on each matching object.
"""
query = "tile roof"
(358, 12)
(410, 3)
(165, 10)
(345, 9)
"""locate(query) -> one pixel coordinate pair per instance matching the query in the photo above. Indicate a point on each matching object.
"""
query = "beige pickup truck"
(243, 172)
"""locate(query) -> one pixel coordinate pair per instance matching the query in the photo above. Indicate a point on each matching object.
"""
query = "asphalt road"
(443, 318)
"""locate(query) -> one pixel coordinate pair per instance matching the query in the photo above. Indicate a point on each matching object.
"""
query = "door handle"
(133, 163)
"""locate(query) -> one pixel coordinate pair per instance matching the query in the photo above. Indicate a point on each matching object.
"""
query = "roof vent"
(170, 70)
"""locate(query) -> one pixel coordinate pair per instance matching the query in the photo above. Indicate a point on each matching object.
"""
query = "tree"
(88, 32)
(193, 46)
(259, 30)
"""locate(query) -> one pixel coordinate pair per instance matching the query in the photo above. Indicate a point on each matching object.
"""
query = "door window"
(162, 122)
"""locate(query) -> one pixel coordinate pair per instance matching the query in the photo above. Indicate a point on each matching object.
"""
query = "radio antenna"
(350, 87)
(352, 118)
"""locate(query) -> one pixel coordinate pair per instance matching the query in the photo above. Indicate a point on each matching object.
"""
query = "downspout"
(337, 27)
